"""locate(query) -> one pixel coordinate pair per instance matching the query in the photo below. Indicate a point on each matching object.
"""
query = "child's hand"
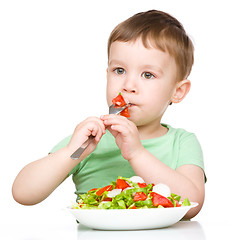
(90, 126)
(125, 133)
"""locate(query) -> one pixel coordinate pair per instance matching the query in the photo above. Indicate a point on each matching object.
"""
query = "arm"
(186, 181)
(37, 180)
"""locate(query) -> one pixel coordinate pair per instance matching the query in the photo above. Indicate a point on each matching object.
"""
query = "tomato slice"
(125, 112)
(106, 188)
(139, 196)
(177, 203)
(142, 185)
(122, 184)
(158, 199)
(108, 199)
(119, 101)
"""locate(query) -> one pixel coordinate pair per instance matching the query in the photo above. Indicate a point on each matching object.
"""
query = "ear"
(181, 90)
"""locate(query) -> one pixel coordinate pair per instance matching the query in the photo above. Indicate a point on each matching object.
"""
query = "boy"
(149, 59)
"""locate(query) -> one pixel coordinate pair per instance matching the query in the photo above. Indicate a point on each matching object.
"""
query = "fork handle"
(82, 148)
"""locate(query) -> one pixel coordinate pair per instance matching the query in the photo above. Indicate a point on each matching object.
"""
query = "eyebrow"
(116, 62)
(148, 66)
(154, 67)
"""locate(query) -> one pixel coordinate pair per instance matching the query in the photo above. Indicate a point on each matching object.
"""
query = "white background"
(53, 59)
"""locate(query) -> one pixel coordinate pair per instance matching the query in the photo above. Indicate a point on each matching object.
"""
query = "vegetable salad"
(129, 193)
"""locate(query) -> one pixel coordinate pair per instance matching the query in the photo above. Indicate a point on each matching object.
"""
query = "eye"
(119, 71)
(147, 75)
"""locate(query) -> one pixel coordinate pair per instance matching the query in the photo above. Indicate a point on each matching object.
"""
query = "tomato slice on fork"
(119, 101)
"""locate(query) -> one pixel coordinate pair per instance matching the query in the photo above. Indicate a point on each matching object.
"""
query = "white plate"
(130, 219)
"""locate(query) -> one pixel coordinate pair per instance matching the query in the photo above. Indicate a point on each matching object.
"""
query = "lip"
(132, 105)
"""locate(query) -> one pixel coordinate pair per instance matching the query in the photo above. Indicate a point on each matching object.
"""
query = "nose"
(130, 85)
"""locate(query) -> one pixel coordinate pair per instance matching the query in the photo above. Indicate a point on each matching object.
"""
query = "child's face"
(145, 77)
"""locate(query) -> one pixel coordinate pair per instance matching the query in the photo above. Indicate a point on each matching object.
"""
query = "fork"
(81, 149)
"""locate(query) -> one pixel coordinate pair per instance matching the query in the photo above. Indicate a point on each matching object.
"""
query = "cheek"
(112, 91)
(160, 92)
(156, 100)
(108, 93)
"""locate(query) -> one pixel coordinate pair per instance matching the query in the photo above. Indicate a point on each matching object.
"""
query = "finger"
(94, 130)
(99, 134)
(114, 133)
(100, 131)
(98, 121)
(111, 121)
(120, 128)
(101, 124)
(109, 116)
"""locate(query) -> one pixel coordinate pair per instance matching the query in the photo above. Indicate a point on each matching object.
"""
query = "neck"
(153, 130)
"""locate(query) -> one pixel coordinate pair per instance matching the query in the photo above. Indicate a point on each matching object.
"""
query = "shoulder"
(181, 134)
(184, 141)
(189, 148)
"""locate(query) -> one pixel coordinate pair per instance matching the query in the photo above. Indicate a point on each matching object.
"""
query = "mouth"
(132, 104)
(129, 103)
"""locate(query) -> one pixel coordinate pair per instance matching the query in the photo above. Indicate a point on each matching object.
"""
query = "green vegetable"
(172, 200)
(123, 200)
(186, 202)
(176, 197)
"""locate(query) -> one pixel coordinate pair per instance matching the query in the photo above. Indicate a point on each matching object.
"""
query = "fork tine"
(116, 110)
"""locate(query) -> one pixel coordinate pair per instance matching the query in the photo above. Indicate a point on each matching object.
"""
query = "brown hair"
(161, 30)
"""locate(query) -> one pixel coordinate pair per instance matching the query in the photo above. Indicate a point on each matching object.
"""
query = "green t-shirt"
(176, 148)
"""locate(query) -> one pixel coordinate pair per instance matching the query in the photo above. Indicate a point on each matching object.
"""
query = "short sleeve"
(61, 144)
(190, 151)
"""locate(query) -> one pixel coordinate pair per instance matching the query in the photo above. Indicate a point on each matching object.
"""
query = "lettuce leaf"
(176, 197)
(186, 202)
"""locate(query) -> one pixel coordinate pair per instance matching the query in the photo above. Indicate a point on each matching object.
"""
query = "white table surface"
(31, 223)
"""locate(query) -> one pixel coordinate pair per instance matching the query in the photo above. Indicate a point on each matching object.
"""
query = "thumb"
(113, 132)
